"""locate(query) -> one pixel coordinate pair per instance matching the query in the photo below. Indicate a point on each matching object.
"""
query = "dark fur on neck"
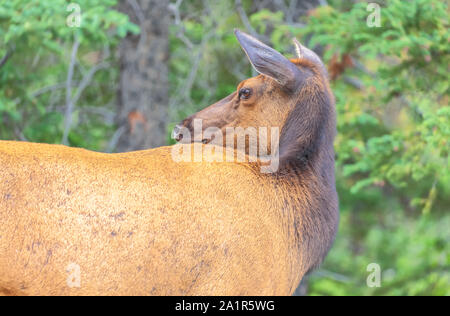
(307, 128)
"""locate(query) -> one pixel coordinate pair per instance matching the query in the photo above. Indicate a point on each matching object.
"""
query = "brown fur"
(140, 224)
(307, 120)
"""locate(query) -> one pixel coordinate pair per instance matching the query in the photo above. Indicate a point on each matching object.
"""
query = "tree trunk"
(143, 97)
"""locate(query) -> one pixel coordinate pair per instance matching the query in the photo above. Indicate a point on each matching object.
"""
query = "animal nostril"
(176, 133)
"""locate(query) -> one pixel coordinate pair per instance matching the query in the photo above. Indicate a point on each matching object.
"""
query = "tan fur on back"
(137, 224)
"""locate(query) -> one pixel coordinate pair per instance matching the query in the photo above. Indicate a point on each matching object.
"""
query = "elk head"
(280, 97)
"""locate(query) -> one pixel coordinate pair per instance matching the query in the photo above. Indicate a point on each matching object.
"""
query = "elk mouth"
(177, 134)
(206, 140)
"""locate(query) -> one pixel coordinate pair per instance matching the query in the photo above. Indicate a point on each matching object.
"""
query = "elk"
(77, 222)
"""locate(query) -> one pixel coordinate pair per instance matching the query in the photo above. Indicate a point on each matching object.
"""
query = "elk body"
(75, 222)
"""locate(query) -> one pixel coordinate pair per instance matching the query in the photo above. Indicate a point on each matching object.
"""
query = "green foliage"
(39, 40)
(392, 146)
(405, 99)
(413, 258)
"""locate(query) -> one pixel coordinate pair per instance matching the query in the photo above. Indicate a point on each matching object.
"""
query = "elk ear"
(268, 61)
(306, 53)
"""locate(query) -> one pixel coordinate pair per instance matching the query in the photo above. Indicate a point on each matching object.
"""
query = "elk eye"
(245, 93)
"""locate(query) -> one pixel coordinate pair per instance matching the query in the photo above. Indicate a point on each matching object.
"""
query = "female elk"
(142, 223)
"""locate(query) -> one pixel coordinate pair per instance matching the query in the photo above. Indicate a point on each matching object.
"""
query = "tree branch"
(5, 58)
(115, 139)
(333, 275)
(85, 81)
(246, 22)
(69, 103)
(356, 83)
(175, 9)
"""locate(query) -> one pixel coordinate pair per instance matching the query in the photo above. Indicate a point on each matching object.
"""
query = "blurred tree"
(292, 9)
(57, 77)
(143, 95)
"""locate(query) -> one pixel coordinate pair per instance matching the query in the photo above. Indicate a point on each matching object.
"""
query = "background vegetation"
(392, 92)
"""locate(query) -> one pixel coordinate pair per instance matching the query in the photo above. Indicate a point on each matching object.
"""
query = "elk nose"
(176, 133)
